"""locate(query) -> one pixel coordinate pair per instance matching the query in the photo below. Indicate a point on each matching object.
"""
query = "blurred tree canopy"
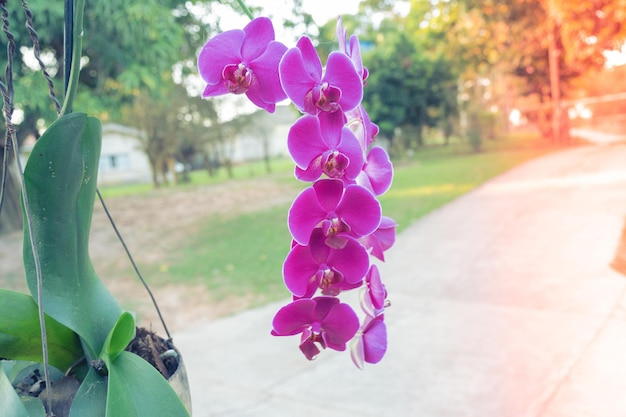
(511, 37)
(495, 50)
(127, 46)
(130, 49)
(408, 90)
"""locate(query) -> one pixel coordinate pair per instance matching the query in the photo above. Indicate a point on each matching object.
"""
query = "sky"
(277, 10)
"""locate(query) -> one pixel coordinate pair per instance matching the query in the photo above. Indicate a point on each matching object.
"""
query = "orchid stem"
(245, 9)
(77, 44)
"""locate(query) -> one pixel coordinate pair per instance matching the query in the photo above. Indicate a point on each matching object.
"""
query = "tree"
(128, 46)
(408, 90)
(512, 37)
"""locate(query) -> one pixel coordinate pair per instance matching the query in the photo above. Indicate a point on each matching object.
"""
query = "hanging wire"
(37, 51)
(6, 88)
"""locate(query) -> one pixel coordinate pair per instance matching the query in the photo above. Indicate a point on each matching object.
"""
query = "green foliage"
(91, 398)
(513, 35)
(20, 335)
(60, 181)
(60, 185)
(137, 389)
(407, 88)
(12, 405)
(134, 388)
(120, 336)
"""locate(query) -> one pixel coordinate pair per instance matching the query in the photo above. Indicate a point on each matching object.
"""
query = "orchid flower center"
(237, 77)
(323, 97)
(329, 277)
(335, 164)
(333, 225)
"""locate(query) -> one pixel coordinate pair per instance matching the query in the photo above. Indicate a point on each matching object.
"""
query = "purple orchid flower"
(381, 239)
(337, 210)
(352, 49)
(361, 125)
(323, 321)
(374, 294)
(317, 265)
(370, 343)
(377, 172)
(333, 151)
(244, 61)
(313, 90)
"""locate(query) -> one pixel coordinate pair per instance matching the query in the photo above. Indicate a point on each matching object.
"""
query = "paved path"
(503, 305)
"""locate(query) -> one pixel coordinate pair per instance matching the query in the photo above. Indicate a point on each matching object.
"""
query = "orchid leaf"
(137, 389)
(60, 178)
(12, 405)
(90, 400)
(120, 336)
(20, 334)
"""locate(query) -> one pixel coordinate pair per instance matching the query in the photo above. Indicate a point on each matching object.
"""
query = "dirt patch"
(152, 225)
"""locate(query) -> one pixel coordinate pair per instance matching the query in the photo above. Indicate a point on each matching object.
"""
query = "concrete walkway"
(503, 305)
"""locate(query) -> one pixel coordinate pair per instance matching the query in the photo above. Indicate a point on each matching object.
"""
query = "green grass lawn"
(202, 177)
(243, 255)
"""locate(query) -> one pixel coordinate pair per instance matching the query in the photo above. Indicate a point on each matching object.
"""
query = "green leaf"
(120, 336)
(90, 400)
(60, 177)
(136, 389)
(20, 335)
(34, 407)
(12, 404)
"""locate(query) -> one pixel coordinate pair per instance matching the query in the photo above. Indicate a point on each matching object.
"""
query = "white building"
(263, 134)
(121, 159)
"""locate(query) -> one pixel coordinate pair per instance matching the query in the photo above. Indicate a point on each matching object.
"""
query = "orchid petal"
(357, 351)
(352, 261)
(329, 193)
(293, 318)
(305, 141)
(215, 90)
(305, 213)
(382, 239)
(294, 77)
(360, 210)
(220, 51)
(379, 170)
(309, 348)
(376, 289)
(375, 340)
(298, 269)
(318, 250)
(341, 35)
(312, 62)
(332, 121)
(265, 69)
(259, 33)
(340, 325)
(355, 56)
(340, 72)
(352, 149)
(311, 173)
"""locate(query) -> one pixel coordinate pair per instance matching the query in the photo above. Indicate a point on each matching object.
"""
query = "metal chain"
(7, 91)
(37, 51)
